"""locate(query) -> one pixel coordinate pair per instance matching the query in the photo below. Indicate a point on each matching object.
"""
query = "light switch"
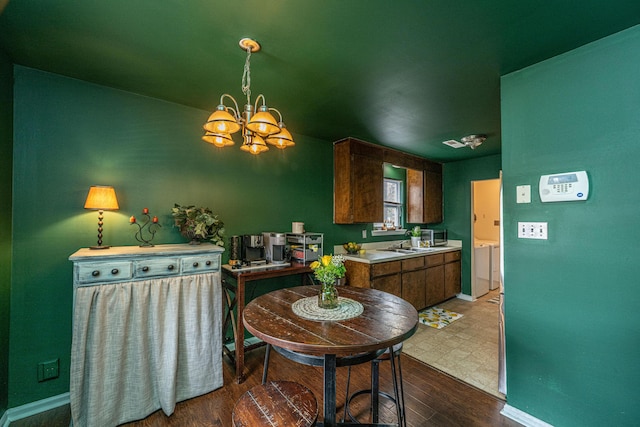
(532, 230)
(523, 194)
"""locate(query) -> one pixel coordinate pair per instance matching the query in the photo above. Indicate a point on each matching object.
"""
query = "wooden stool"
(276, 403)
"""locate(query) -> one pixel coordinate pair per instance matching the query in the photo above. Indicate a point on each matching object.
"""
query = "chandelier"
(259, 127)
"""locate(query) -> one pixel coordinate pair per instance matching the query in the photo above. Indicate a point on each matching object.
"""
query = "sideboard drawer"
(104, 272)
(154, 267)
(200, 264)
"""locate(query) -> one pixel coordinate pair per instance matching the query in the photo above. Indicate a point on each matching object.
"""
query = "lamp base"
(99, 247)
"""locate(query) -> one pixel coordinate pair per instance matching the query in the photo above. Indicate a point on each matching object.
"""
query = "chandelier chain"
(246, 77)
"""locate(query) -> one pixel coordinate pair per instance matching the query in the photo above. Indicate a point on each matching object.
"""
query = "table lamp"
(101, 197)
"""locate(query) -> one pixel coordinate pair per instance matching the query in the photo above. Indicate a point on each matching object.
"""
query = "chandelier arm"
(236, 111)
(264, 102)
(279, 114)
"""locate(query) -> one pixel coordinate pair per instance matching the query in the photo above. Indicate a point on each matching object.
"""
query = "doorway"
(470, 348)
(487, 256)
(485, 240)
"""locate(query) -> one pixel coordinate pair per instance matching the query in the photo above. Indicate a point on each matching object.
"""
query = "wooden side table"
(237, 301)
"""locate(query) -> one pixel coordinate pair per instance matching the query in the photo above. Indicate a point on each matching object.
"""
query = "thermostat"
(564, 187)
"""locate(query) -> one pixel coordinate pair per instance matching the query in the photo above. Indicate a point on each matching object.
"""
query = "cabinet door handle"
(208, 262)
(115, 271)
(171, 267)
(195, 264)
(145, 268)
(95, 273)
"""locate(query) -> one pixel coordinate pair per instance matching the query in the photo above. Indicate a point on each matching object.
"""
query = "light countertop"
(372, 256)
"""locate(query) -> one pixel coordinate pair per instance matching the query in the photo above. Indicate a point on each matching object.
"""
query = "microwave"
(435, 237)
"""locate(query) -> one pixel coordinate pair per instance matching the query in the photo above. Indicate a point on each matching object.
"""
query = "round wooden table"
(385, 321)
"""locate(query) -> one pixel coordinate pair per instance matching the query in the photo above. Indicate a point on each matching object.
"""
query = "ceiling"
(407, 74)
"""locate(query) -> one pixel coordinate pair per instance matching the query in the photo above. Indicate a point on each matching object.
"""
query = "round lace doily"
(307, 308)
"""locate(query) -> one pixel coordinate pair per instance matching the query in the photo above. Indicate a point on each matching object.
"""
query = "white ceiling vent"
(471, 141)
(453, 143)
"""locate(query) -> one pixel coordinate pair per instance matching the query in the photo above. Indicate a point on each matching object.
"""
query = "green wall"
(457, 178)
(6, 131)
(571, 302)
(70, 134)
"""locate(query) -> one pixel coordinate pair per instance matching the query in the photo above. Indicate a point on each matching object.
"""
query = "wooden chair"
(276, 403)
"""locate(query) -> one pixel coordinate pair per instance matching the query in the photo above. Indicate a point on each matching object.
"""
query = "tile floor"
(467, 348)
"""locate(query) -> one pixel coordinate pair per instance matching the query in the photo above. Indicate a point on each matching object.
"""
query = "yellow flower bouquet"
(327, 269)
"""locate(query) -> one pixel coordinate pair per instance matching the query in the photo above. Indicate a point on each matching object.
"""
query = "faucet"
(399, 246)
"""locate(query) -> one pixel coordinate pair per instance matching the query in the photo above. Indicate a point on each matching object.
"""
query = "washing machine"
(495, 266)
(482, 267)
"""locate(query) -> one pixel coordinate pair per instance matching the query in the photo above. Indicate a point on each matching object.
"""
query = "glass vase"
(328, 296)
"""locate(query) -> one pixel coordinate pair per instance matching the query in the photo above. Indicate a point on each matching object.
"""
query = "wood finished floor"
(432, 398)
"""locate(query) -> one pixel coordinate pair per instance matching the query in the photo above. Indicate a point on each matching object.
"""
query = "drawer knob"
(195, 264)
(95, 273)
(171, 267)
(145, 268)
(208, 262)
(115, 271)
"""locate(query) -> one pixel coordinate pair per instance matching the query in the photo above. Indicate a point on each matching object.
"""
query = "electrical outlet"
(532, 230)
(364, 234)
(48, 370)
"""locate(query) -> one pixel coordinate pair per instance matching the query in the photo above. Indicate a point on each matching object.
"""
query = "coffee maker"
(253, 250)
(275, 247)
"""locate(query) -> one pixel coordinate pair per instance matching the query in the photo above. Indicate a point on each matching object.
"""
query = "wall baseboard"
(33, 408)
(465, 297)
(522, 417)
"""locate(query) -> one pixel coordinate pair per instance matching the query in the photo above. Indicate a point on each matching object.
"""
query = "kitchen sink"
(397, 250)
(423, 249)
(407, 250)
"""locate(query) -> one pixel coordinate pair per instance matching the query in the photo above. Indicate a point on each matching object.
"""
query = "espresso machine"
(275, 247)
(253, 250)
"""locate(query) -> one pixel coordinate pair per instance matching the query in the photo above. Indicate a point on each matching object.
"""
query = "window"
(393, 205)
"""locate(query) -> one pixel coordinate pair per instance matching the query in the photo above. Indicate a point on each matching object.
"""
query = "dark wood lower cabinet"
(391, 284)
(435, 285)
(414, 287)
(452, 279)
(384, 276)
(422, 281)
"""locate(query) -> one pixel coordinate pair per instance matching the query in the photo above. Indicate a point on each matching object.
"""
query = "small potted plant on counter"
(198, 224)
(415, 234)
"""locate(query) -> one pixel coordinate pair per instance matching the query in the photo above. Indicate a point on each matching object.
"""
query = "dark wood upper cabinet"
(433, 193)
(424, 194)
(358, 180)
(415, 196)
